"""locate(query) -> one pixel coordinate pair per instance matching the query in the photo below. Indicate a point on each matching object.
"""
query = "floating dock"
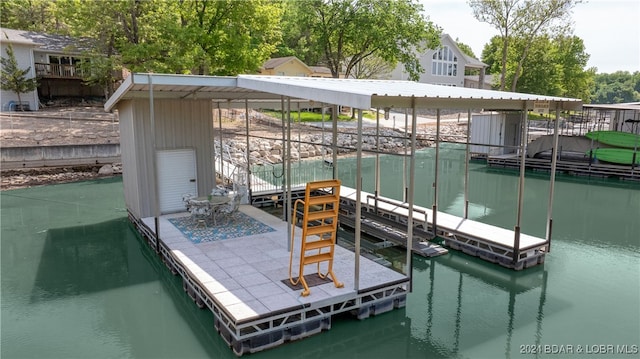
(491, 243)
(583, 168)
(244, 280)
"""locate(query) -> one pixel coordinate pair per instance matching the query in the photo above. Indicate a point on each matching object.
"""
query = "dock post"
(435, 176)
(154, 163)
(411, 190)
(516, 245)
(358, 214)
(377, 178)
(523, 151)
(552, 180)
(246, 109)
(466, 167)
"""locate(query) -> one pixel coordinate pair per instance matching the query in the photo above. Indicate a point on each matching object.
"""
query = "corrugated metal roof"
(402, 94)
(363, 94)
(632, 106)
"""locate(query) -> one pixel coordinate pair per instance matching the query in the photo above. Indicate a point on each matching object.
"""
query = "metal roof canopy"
(631, 106)
(362, 94)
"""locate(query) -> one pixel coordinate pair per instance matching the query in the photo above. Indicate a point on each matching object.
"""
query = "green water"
(77, 282)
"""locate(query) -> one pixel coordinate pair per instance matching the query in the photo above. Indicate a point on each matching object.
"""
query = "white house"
(23, 52)
(53, 59)
(446, 66)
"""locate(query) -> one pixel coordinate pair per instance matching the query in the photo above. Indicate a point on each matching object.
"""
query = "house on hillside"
(54, 60)
(446, 66)
(292, 66)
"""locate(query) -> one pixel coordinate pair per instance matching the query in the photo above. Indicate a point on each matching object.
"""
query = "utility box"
(495, 133)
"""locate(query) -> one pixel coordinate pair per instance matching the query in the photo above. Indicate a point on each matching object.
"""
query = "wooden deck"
(488, 242)
(242, 281)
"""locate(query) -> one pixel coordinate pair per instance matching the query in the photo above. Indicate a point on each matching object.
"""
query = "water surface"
(77, 281)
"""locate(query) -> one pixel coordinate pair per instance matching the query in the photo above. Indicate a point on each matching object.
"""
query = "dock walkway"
(243, 280)
(491, 243)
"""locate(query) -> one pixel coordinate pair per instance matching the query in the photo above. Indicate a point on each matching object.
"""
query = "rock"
(274, 158)
(106, 170)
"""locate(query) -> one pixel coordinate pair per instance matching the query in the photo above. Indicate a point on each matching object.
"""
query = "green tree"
(194, 36)
(31, 15)
(13, 77)
(523, 20)
(617, 87)
(465, 48)
(341, 34)
(223, 37)
(372, 67)
(98, 70)
(554, 67)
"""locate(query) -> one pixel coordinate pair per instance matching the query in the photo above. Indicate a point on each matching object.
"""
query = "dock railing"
(270, 178)
(377, 199)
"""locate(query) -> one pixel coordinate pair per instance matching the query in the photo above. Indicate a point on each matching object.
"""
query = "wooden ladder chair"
(319, 227)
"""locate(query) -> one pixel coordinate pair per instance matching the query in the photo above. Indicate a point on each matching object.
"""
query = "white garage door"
(176, 177)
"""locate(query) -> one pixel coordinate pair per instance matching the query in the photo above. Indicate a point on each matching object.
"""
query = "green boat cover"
(616, 138)
(620, 156)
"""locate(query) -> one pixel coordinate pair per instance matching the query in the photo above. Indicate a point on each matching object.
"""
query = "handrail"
(58, 70)
(399, 204)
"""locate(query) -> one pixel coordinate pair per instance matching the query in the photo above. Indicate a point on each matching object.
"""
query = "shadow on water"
(82, 260)
(87, 259)
(453, 288)
(96, 281)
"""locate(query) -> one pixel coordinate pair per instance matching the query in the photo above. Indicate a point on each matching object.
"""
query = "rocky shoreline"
(91, 125)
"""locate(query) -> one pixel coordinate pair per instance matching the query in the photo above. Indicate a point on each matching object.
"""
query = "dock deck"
(491, 243)
(242, 276)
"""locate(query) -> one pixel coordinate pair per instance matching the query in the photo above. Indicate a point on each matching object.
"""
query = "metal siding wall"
(179, 124)
(129, 163)
(188, 124)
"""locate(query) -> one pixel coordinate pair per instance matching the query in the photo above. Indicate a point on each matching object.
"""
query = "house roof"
(469, 61)
(363, 94)
(278, 61)
(48, 42)
(320, 69)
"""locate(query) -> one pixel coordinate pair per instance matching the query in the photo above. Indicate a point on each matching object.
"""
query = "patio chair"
(230, 208)
(186, 199)
(200, 211)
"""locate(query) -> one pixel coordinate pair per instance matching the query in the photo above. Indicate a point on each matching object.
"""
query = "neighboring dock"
(244, 280)
(577, 168)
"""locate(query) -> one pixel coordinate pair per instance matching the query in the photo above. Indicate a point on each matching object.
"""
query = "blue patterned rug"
(234, 226)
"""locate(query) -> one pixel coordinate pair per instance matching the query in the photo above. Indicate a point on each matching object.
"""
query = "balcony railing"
(65, 71)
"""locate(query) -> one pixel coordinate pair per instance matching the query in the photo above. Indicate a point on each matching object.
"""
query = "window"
(444, 63)
(65, 66)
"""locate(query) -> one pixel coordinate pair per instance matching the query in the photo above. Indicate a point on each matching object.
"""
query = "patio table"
(214, 202)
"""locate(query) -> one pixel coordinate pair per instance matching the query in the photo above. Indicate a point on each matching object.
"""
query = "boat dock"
(491, 243)
(240, 271)
(577, 168)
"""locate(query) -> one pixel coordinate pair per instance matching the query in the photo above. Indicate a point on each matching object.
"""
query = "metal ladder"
(319, 227)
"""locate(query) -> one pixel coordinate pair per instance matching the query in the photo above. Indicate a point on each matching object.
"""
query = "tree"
(617, 87)
(31, 15)
(520, 19)
(98, 70)
(341, 34)
(195, 36)
(372, 67)
(554, 67)
(13, 78)
(466, 49)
